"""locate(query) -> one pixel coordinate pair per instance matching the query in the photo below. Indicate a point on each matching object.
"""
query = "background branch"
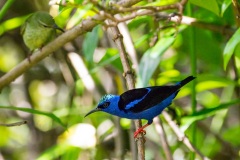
(181, 136)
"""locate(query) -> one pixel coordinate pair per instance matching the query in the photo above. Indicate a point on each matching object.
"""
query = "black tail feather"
(186, 80)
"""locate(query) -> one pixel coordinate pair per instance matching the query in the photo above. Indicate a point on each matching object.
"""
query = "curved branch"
(85, 26)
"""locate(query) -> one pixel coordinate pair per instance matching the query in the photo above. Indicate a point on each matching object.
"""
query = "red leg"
(140, 130)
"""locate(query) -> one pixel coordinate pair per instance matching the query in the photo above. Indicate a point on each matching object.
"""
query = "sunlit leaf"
(11, 24)
(230, 47)
(33, 111)
(151, 59)
(78, 1)
(205, 113)
(135, 23)
(90, 44)
(225, 5)
(111, 58)
(54, 152)
(210, 5)
(207, 82)
(80, 13)
(232, 135)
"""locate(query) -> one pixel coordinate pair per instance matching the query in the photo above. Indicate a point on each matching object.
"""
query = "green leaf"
(135, 23)
(111, 58)
(232, 135)
(210, 5)
(78, 1)
(90, 44)
(54, 152)
(33, 111)
(11, 24)
(205, 113)
(151, 59)
(230, 47)
(225, 5)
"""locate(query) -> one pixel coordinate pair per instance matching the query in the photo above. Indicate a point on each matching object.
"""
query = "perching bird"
(141, 103)
(38, 30)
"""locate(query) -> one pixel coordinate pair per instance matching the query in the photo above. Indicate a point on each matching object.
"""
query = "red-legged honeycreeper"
(141, 103)
(38, 30)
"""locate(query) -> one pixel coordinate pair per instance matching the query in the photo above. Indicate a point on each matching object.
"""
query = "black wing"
(130, 96)
(149, 96)
(153, 96)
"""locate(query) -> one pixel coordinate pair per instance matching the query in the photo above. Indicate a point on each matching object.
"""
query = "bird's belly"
(36, 39)
(149, 113)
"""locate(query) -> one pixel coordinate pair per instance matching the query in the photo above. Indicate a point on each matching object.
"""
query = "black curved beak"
(58, 28)
(92, 111)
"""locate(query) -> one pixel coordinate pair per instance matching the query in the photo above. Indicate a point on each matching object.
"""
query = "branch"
(181, 136)
(118, 38)
(13, 124)
(236, 8)
(212, 27)
(160, 130)
(86, 26)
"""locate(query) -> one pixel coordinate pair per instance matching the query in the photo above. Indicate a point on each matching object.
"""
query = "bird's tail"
(186, 80)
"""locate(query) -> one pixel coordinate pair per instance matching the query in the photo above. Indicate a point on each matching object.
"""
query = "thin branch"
(83, 73)
(128, 43)
(13, 124)
(236, 8)
(194, 22)
(181, 136)
(160, 130)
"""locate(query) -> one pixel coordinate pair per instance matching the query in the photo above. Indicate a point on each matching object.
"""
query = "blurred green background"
(54, 95)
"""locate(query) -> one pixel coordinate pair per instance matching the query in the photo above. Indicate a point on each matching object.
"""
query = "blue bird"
(141, 103)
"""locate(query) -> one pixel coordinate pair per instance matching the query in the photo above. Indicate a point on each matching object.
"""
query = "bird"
(140, 103)
(38, 30)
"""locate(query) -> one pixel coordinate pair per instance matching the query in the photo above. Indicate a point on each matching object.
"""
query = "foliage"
(54, 95)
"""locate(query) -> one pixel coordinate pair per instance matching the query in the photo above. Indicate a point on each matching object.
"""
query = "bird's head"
(107, 103)
(46, 20)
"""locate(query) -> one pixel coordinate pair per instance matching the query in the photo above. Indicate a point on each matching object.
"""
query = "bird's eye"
(105, 105)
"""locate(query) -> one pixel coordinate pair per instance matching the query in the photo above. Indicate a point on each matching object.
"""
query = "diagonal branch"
(181, 136)
(85, 26)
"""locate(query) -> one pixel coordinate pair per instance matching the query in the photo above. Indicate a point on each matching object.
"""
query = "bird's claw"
(137, 132)
(136, 138)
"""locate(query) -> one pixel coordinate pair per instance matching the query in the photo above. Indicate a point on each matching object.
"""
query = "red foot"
(140, 130)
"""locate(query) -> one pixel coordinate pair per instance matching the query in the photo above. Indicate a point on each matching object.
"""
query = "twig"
(181, 136)
(194, 22)
(81, 70)
(236, 8)
(128, 43)
(159, 128)
(119, 148)
(13, 124)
